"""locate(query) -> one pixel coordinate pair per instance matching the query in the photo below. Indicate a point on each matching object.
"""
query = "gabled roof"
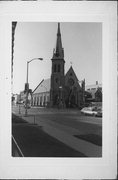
(93, 89)
(44, 86)
(71, 71)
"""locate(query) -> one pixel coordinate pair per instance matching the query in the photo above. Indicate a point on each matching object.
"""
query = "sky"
(82, 43)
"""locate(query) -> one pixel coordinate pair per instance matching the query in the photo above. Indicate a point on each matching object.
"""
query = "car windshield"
(89, 109)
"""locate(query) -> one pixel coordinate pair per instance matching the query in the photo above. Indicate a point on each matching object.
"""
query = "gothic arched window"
(58, 67)
(57, 80)
(54, 67)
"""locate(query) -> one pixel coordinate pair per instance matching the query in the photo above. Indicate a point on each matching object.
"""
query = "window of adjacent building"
(58, 67)
(47, 98)
(44, 100)
(41, 101)
(34, 101)
(37, 101)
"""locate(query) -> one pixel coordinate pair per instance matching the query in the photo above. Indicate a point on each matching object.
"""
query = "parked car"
(93, 111)
(20, 102)
(88, 111)
(99, 112)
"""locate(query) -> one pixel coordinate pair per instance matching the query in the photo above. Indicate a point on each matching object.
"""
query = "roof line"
(73, 72)
(38, 86)
(90, 85)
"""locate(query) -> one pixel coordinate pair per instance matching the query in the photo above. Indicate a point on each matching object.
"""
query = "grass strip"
(17, 119)
(93, 138)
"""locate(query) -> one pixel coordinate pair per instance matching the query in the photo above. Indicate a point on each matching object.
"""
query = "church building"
(61, 89)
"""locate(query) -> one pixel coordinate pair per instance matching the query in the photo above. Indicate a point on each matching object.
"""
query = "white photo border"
(61, 168)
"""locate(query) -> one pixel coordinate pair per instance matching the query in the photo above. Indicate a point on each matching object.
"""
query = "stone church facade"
(61, 90)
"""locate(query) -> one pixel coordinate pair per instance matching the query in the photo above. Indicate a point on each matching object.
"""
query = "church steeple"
(57, 73)
(59, 51)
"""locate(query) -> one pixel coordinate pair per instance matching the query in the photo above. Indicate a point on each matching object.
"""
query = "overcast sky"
(82, 43)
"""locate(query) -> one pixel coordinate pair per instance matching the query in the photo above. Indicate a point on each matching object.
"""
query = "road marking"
(18, 146)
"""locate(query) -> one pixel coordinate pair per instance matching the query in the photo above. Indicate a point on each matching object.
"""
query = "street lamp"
(60, 95)
(27, 85)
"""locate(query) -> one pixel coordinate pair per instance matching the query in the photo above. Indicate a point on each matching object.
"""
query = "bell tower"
(57, 73)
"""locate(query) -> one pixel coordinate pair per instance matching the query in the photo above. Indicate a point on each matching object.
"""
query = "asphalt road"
(68, 117)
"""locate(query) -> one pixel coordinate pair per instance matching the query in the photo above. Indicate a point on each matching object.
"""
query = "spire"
(59, 52)
(58, 31)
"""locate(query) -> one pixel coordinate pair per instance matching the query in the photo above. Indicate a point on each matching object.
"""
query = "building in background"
(15, 98)
(96, 91)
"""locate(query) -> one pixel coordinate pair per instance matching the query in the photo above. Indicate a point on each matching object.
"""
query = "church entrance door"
(72, 101)
(56, 101)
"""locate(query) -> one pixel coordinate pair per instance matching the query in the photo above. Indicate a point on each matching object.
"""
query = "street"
(81, 133)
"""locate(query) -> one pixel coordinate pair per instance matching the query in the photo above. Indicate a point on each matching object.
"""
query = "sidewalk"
(40, 110)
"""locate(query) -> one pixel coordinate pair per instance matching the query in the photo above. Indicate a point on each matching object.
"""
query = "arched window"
(41, 101)
(56, 80)
(58, 67)
(44, 100)
(37, 101)
(55, 68)
(34, 101)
